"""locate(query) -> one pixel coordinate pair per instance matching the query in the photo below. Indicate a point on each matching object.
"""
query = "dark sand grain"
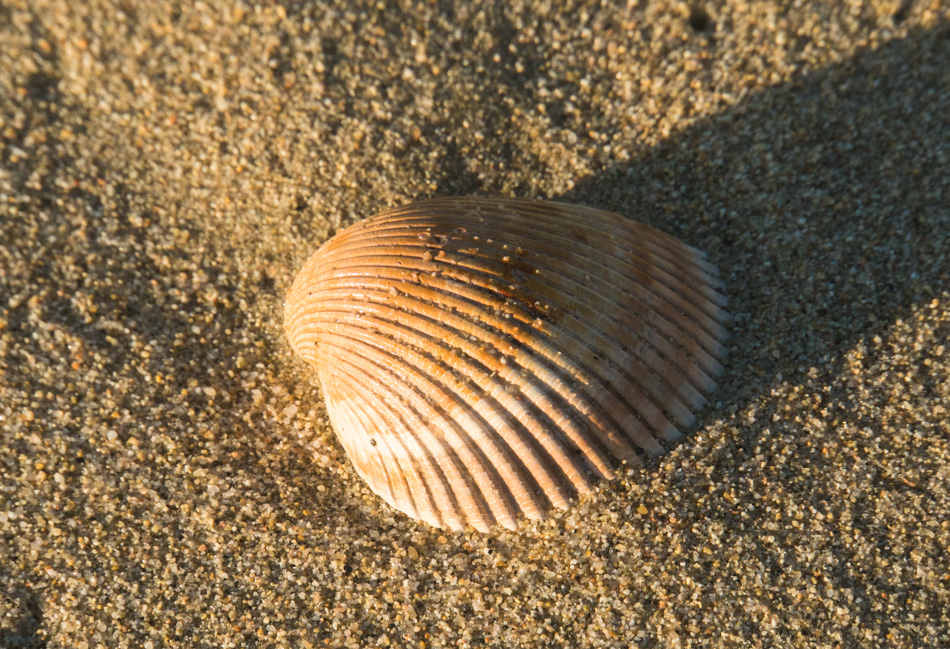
(167, 476)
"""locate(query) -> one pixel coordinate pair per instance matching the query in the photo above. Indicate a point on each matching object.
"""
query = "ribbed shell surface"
(485, 358)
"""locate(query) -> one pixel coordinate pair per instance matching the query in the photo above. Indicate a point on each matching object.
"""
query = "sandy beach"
(168, 475)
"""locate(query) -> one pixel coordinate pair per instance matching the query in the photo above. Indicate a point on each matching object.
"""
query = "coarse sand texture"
(169, 477)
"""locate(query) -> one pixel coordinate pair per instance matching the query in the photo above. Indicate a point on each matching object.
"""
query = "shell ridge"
(653, 248)
(654, 297)
(678, 338)
(485, 327)
(545, 447)
(670, 270)
(497, 442)
(463, 466)
(705, 313)
(429, 454)
(668, 273)
(419, 485)
(636, 432)
(668, 260)
(549, 210)
(664, 240)
(610, 225)
(585, 414)
(337, 408)
(665, 397)
(433, 449)
(498, 339)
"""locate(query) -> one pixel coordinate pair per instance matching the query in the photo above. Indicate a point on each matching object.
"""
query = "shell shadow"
(819, 200)
(823, 202)
(26, 631)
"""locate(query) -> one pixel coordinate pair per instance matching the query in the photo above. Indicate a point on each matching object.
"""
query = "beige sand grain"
(167, 475)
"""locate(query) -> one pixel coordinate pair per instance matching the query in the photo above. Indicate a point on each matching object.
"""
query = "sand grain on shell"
(167, 474)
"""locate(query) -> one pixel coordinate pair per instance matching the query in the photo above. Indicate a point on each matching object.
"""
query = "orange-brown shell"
(484, 358)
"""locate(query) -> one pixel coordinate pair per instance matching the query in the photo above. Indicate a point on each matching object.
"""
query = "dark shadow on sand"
(815, 199)
(820, 201)
(26, 630)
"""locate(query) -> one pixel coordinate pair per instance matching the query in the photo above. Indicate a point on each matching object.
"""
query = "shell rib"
(487, 358)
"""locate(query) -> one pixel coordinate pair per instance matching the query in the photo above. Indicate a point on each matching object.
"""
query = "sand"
(167, 474)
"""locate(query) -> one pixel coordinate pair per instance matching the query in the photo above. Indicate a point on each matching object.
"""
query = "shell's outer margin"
(488, 358)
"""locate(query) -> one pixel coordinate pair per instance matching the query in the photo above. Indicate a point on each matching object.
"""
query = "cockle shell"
(486, 358)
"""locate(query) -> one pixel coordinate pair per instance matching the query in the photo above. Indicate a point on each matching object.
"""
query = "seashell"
(487, 358)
